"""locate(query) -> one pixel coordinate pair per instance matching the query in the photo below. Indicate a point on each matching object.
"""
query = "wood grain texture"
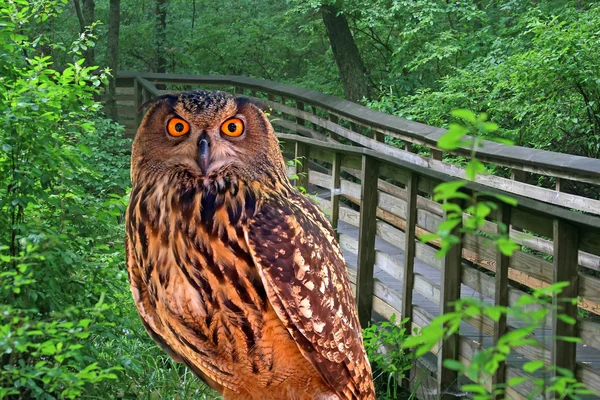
(366, 240)
(566, 243)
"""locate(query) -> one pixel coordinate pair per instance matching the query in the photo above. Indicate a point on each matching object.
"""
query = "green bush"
(68, 325)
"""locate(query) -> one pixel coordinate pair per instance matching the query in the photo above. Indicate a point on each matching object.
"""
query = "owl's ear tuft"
(241, 100)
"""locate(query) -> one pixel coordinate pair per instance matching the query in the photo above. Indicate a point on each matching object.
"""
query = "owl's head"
(206, 134)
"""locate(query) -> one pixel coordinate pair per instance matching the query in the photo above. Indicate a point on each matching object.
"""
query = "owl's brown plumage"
(233, 271)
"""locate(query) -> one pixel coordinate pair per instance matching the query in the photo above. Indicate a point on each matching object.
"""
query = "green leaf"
(454, 365)
(569, 339)
(466, 115)
(452, 139)
(451, 207)
(429, 237)
(474, 168)
(532, 366)
(474, 388)
(506, 199)
(516, 381)
(507, 246)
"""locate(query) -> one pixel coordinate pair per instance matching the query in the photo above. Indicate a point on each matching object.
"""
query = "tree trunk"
(161, 35)
(86, 17)
(345, 52)
(79, 16)
(112, 57)
(161, 38)
(89, 16)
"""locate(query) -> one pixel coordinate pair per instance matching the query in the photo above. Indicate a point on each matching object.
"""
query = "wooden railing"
(376, 191)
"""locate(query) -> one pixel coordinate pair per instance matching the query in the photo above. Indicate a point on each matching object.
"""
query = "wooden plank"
(590, 241)
(336, 166)
(450, 292)
(366, 239)
(301, 130)
(589, 331)
(501, 292)
(566, 243)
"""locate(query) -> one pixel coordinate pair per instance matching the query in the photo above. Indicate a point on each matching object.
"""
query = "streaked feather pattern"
(241, 278)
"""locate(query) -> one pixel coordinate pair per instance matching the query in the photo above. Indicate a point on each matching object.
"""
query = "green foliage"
(535, 75)
(390, 361)
(68, 326)
(455, 201)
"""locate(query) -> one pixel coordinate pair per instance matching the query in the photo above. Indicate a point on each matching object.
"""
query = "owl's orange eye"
(233, 127)
(178, 127)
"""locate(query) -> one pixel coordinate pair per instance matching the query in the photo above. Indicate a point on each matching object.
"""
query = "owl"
(233, 271)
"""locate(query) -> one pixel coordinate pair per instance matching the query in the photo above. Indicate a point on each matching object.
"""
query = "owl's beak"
(204, 152)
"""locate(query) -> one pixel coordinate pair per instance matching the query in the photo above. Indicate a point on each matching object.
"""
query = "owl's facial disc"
(204, 152)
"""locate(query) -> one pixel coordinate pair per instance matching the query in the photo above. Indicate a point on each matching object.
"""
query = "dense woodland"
(68, 326)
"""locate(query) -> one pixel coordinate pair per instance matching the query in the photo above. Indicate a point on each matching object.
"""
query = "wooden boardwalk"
(585, 354)
(345, 150)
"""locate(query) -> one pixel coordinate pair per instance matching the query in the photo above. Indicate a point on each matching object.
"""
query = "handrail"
(537, 206)
(548, 163)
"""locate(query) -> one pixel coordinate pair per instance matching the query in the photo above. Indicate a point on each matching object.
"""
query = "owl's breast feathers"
(224, 274)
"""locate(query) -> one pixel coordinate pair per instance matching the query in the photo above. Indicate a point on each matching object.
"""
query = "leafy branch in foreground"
(478, 204)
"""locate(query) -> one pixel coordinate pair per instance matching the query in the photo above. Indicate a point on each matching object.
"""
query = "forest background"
(68, 326)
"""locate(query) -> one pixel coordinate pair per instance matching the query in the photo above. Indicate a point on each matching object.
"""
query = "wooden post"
(366, 239)
(501, 294)
(239, 90)
(334, 118)
(436, 154)
(565, 269)
(379, 136)
(518, 175)
(145, 95)
(336, 167)
(409, 246)
(301, 155)
(137, 92)
(408, 280)
(300, 106)
(449, 293)
(408, 146)
(315, 127)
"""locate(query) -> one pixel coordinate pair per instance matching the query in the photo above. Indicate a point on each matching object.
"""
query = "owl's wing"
(304, 274)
